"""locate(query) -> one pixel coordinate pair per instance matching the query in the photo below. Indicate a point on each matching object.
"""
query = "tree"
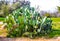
(58, 9)
(47, 14)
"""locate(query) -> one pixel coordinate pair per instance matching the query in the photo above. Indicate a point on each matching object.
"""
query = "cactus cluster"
(26, 21)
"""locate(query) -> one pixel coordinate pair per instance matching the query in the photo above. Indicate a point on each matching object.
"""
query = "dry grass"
(3, 32)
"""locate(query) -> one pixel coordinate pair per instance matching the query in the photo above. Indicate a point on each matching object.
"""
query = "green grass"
(2, 19)
(55, 27)
(54, 33)
(55, 19)
(56, 23)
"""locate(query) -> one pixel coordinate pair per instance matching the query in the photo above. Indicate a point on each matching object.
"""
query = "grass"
(56, 23)
(2, 19)
(55, 19)
(3, 33)
(55, 27)
(54, 33)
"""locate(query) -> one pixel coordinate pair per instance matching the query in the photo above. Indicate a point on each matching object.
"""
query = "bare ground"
(28, 39)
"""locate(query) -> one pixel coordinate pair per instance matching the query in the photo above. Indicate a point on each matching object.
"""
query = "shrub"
(6, 8)
(27, 22)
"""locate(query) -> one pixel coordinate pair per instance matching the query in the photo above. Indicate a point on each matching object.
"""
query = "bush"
(6, 8)
(27, 22)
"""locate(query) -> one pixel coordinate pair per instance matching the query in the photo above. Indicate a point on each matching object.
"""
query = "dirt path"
(28, 39)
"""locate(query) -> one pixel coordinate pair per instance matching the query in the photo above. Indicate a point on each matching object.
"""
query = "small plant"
(27, 22)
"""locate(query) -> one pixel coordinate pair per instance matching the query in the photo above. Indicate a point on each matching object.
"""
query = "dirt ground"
(28, 39)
